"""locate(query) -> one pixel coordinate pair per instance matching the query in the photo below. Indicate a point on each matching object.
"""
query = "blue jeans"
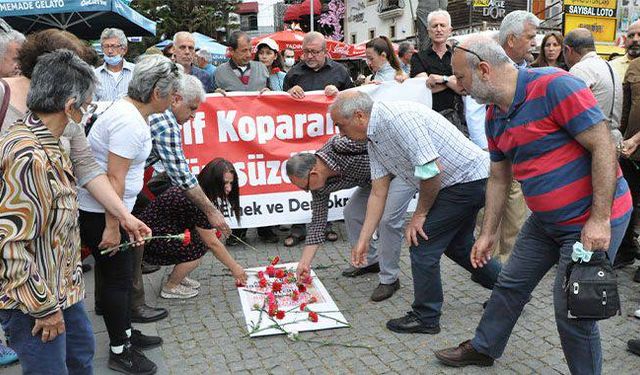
(537, 249)
(69, 353)
(449, 226)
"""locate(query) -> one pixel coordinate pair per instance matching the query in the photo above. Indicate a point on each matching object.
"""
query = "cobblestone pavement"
(205, 335)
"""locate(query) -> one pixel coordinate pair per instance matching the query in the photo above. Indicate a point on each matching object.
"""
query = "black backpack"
(592, 288)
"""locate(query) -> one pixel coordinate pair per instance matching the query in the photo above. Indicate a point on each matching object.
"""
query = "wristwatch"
(445, 79)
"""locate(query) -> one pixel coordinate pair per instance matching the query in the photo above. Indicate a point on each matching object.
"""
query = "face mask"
(289, 61)
(112, 60)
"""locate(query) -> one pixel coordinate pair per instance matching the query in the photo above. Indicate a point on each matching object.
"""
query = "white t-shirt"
(122, 130)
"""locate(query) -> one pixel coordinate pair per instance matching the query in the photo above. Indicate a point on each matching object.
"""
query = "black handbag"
(592, 288)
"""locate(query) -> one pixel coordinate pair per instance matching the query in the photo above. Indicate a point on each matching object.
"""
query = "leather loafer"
(410, 323)
(149, 268)
(463, 355)
(384, 291)
(355, 272)
(146, 314)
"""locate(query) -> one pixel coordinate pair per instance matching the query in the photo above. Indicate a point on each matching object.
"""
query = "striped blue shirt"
(111, 88)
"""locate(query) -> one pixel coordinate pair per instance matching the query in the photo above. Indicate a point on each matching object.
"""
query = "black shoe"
(143, 342)
(636, 276)
(384, 291)
(624, 259)
(146, 314)
(354, 271)
(411, 324)
(131, 361)
(98, 310)
(634, 346)
(149, 268)
(86, 268)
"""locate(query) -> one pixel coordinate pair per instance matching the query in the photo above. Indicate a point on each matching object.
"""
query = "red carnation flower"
(275, 70)
(279, 314)
(271, 271)
(302, 288)
(186, 237)
(280, 273)
(313, 300)
(260, 275)
(272, 311)
(262, 283)
(313, 317)
(303, 306)
(218, 234)
(276, 287)
(274, 260)
(307, 280)
(295, 295)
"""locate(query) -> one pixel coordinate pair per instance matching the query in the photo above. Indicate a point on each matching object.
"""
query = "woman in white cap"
(267, 53)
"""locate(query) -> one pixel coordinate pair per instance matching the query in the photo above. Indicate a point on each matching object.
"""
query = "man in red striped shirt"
(545, 129)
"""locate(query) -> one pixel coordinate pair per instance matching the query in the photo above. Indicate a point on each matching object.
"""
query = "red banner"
(257, 133)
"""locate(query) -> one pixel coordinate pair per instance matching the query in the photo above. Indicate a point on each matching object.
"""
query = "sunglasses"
(469, 51)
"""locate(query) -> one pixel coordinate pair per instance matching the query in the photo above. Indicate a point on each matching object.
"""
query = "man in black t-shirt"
(434, 62)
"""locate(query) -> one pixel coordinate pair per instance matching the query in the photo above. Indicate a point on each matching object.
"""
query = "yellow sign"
(611, 4)
(481, 3)
(603, 29)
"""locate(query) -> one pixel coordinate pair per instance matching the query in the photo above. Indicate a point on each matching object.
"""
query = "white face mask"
(289, 61)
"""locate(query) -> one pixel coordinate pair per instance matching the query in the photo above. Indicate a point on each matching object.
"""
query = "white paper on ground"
(285, 303)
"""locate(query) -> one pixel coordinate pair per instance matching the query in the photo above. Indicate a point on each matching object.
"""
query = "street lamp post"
(311, 19)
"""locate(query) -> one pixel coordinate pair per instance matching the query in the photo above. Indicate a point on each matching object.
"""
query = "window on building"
(354, 38)
(249, 22)
(372, 33)
(392, 32)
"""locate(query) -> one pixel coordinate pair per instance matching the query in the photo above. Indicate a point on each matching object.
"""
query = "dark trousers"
(69, 353)
(117, 277)
(631, 173)
(449, 226)
(137, 291)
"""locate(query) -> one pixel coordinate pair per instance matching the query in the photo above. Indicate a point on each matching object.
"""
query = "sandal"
(331, 235)
(293, 240)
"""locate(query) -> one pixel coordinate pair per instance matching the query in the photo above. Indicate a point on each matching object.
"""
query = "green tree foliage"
(203, 16)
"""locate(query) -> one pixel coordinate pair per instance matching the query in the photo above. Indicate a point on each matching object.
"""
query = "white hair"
(513, 24)
(488, 49)
(150, 72)
(114, 33)
(314, 35)
(191, 88)
(439, 12)
(182, 34)
(205, 55)
(7, 38)
(348, 105)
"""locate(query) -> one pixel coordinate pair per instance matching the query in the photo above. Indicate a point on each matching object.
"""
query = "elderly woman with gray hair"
(121, 142)
(41, 284)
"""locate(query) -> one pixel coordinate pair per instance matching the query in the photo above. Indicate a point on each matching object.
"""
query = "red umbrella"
(293, 39)
(296, 11)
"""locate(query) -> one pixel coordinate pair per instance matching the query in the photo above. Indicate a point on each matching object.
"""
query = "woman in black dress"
(173, 213)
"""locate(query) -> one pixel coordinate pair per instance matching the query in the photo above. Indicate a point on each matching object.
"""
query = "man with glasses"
(317, 71)
(545, 129)
(344, 164)
(115, 74)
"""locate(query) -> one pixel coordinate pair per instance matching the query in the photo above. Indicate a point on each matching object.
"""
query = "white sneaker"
(178, 292)
(637, 314)
(190, 283)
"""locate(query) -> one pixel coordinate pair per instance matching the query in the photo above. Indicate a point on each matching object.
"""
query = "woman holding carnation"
(172, 212)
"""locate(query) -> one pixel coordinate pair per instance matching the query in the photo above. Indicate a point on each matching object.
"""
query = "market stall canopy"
(219, 51)
(293, 39)
(83, 18)
(296, 11)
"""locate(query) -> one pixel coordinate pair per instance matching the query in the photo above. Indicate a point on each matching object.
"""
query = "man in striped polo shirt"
(544, 127)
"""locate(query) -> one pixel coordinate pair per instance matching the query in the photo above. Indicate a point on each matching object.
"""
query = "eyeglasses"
(469, 51)
(312, 52)
(308, 181)
(111, 47)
